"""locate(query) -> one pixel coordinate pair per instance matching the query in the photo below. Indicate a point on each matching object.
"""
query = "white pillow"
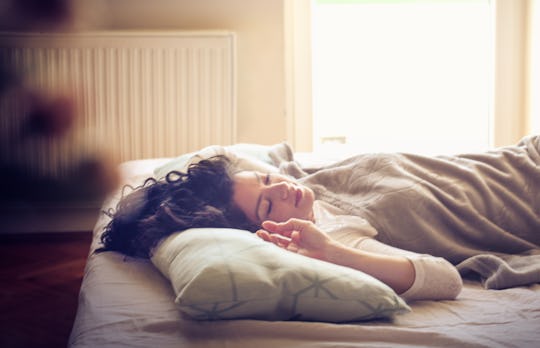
(243, 157)
(233, 274)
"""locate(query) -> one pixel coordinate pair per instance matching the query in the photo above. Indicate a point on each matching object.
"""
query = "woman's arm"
(435, 278)
(303, 237)
(414, 276)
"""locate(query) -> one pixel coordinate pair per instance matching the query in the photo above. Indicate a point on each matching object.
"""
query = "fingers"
(286, 228)
(277, 239)
(295, 237)
(286, 235)
(264, 235)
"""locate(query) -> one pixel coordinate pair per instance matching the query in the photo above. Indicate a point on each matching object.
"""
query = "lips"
(298, 197)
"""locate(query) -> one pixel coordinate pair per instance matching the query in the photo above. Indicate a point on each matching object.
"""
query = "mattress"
(126, 302)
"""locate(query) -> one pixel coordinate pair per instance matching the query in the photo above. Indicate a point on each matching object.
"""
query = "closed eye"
(267, 179)
(269, 208)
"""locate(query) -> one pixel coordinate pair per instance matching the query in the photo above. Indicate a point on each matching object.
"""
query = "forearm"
(395, 271)
(414, 276)
(435, 278)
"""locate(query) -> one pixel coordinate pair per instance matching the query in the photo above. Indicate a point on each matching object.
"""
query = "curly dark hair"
(201, 197)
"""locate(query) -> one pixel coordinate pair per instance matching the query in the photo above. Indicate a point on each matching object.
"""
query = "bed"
(126, 302)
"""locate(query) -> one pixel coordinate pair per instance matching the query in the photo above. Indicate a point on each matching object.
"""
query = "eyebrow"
(257, 205)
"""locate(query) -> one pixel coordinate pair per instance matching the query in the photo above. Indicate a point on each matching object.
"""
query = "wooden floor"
(40, 278)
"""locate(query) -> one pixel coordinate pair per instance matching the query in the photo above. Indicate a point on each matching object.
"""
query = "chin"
(310, 198)
(308, 206)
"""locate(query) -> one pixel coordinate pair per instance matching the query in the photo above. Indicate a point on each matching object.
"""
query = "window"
(408, 76)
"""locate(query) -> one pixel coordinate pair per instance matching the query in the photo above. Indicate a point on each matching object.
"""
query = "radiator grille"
(139, 95)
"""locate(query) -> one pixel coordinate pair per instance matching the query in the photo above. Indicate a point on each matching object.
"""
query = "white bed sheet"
(125, 302)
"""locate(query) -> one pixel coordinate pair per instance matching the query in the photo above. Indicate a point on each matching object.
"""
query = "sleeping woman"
(354, 213)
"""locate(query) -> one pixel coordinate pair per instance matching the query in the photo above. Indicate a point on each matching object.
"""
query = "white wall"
(260, 41)
(533, 96)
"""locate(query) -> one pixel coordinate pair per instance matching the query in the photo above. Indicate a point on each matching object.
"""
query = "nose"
(280, 190)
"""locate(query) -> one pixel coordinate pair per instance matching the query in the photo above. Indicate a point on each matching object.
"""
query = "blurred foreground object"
(33, 166)
(35, 14)
(39, 162)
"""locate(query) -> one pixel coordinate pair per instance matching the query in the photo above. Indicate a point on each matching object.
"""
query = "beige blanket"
(479, 211)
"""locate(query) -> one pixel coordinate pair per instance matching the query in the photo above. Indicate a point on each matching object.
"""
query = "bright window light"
(406, 76)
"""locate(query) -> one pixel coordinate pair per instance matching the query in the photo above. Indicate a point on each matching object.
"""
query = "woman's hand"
(304, 238)
(299, 236)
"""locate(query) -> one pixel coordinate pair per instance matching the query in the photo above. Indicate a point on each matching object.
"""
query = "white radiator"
(139, 94)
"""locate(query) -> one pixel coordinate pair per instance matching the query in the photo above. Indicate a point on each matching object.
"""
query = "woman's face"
(263, 196)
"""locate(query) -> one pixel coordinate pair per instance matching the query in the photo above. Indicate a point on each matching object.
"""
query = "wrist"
(339, 254)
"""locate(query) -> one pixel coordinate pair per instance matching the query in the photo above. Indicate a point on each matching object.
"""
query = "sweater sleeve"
(435, 278)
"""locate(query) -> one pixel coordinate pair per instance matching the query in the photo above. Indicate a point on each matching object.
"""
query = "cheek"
(282, 213)
(245, 203)
(286, 212)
